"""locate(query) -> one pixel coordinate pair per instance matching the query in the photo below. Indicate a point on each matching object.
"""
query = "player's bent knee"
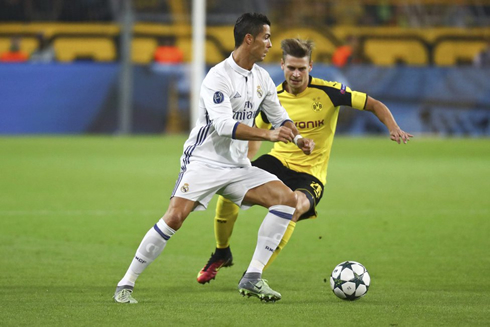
(293, 199)
(174, 218)
(178, 211)
(303, 204)
(288, 198)
(270, 194)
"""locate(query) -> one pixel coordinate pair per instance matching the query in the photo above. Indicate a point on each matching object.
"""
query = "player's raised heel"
(219, 259)
(123, 294)
(258, 288)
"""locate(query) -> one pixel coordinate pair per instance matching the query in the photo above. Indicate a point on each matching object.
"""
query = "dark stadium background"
(416, 56)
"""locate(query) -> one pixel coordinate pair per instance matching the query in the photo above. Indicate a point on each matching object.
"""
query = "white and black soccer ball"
(350, 280)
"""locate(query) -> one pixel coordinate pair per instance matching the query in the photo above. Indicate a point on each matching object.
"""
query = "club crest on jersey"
(218, 97)
(342, 88)
(185, 188)
(317, 105)
(260, 93)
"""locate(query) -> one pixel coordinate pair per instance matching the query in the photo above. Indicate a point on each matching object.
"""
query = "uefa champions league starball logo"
(218, 97)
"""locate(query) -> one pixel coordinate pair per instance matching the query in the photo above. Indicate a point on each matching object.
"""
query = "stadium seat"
(388, 52)
(449, 53)
(224, 34)
(323, 46)
(143, 49)
(213, 54)
(27, 44)
(92, 48)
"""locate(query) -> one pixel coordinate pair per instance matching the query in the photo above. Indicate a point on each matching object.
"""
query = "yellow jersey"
(315, 112)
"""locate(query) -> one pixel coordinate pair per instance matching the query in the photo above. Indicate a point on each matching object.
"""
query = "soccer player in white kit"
(215, 158)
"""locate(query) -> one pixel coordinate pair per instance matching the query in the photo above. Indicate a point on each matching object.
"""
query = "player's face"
(261, 44)
(296, 72)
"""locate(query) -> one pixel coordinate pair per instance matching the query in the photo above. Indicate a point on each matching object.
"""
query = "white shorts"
(200, 182)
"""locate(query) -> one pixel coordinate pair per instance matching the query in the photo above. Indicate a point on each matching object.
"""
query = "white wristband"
(296, 138)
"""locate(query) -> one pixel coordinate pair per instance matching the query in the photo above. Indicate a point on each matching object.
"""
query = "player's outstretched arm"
(281, 134)
(384, 115)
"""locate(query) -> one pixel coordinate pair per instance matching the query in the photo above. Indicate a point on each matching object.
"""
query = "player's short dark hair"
(249, 24)
(297, 48)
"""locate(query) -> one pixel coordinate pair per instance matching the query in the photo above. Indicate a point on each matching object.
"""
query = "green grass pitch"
(74, 209)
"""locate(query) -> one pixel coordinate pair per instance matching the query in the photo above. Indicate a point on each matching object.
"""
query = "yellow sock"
(226, 215)
(282, 244)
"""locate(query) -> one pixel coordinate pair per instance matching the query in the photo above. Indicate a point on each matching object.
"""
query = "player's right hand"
(306, 145)
(281, 134)
(398, 135)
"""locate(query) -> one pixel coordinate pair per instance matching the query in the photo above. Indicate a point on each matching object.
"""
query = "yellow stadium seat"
(143, 50)
(223, 34)
(185, 44)
(388, 52)
(321, 53)
(27, 44)
(4, 44)
(95, 48)
(449, 53)
(213, 54)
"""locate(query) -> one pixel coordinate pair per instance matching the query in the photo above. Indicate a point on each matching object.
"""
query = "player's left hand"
(306, 145)
(399, 135)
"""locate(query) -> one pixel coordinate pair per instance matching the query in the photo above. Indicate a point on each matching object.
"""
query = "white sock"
(150, 248)
(270, 234)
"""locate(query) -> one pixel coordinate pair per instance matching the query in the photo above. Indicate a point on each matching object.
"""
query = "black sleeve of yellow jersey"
(264, 117)
(339, 97)
(261, 121)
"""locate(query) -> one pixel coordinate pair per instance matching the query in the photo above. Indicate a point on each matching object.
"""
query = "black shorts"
(303, 182)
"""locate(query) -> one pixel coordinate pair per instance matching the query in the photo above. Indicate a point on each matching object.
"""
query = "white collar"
(238, 69)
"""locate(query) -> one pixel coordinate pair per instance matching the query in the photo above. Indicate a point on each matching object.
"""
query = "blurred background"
(126, 66)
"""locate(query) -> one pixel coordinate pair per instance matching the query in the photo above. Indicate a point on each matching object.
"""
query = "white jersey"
(230, 95)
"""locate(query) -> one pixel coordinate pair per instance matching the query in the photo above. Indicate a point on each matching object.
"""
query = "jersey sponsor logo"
(342, 88)
(260, 93)
(317, 188)
(244, 115)
(309, 124)
(185, 188)
(248, 105)
(218, 97)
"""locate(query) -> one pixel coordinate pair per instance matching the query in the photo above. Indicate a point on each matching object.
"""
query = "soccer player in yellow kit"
(313, 104)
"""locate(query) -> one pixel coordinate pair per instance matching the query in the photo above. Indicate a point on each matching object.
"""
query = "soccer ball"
(350, 280)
